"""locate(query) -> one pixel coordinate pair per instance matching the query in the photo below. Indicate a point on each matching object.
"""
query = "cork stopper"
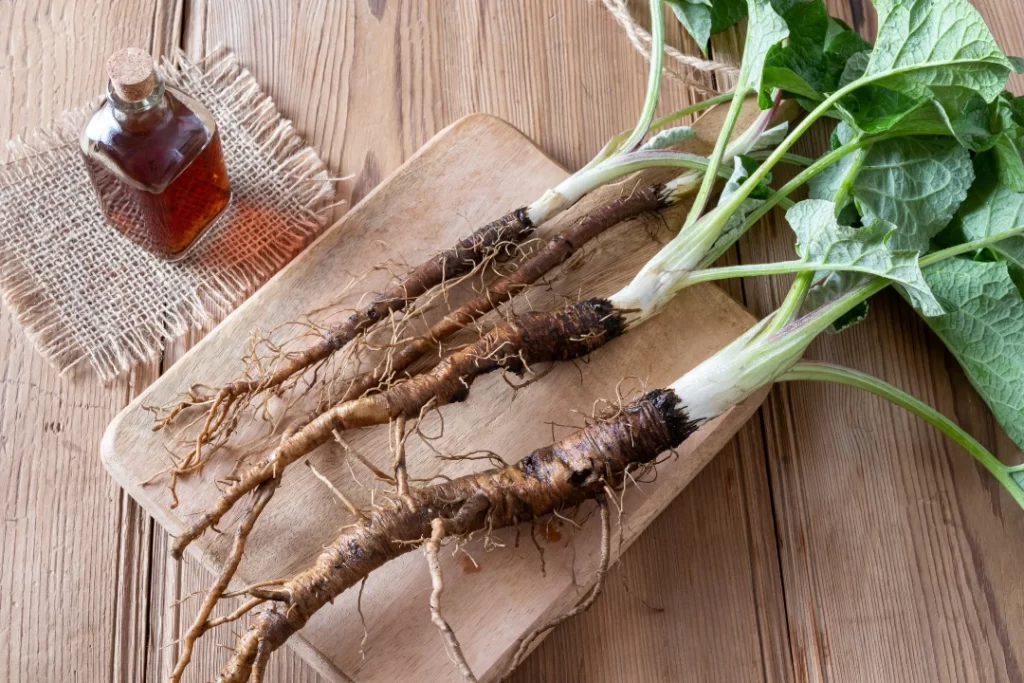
(132, 74)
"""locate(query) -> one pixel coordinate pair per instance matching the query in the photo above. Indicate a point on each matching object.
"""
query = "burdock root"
(221, 404)
(578, 468)
(571, 332)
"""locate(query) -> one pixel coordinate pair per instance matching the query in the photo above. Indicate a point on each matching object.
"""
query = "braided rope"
(641, 40)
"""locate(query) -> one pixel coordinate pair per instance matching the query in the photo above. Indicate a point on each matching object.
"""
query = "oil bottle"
(154, 157)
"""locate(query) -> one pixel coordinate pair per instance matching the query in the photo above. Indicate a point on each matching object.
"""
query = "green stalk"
(819, 320)
(803, 126)
(627, 140)
(788, 158)
(653, 77)
(823, 372)
(584, 181)
(692, 109)
(825, 316)
(638, 161)
(755, 270)
(715, 160)
(719, 217)
(968, 247)
(774, 346)
(846, 187)
(794, 301)
(780, 196)
(777, 154)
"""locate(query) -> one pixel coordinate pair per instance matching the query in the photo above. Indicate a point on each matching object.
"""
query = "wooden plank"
(65, 524)
(478, 163)
(346, 72)
(897, 551)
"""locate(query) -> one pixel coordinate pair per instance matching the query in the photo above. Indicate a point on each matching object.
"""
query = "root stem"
(559, 476)
(430, 549)
(570, 333)
(200, 625)
(401, 471)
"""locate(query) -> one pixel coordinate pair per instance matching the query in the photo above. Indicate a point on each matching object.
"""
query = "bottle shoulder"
(149, 149)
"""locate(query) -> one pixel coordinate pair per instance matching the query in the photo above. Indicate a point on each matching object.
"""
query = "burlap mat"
(83, 292)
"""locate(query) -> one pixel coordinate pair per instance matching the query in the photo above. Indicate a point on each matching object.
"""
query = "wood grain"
(65, 524)
(342, 72)
(886, 578)
(895, 547)
(475, 165)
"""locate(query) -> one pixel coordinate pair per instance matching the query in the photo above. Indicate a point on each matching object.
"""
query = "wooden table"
(836, 538)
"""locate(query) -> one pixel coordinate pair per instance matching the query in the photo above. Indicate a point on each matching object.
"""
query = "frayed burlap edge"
(217, 292)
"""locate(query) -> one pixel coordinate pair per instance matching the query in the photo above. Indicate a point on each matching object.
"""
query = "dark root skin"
(571, 332)
(578, 468)
(463, 257)
(556, 251)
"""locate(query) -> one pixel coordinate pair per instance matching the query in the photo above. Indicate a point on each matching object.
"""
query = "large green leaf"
(765, 29)
(915, 183)
(841, 44)
(925, 50)
(984, 328)
(830, 247)
(991, 208)
(798, 66)
(703, 18)
(1009, 140)
(695, 16)
(926, 46)
(814, 58)
(979, 126)
(727, 13)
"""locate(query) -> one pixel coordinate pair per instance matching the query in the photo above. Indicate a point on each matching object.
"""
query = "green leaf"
(765, 28)
(727, 13)
(703, 18)
(695, 16)
(798, 67)
(984, 329)
(925, 50)
(1009, 140)
(872, 109)
(966, 115)
(669, 137)
(926, 46)
(841, 44)
(814, 58)
(829, 246)
(977, 125)
(915, 183)
(990, 208)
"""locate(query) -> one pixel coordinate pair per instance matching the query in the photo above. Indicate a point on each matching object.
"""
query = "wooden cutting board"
(474, 170)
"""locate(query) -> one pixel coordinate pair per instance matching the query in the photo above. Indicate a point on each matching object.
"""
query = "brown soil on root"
(451, 263)
(532, 338)
(559, 476)
(558, 249)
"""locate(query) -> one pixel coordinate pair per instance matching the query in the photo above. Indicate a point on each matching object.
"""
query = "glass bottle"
(154, 157)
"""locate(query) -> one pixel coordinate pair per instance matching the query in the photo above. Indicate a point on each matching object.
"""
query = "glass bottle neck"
(142, 114)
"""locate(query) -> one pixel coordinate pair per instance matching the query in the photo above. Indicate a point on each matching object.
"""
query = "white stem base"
(750, 362)
(668, 271)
